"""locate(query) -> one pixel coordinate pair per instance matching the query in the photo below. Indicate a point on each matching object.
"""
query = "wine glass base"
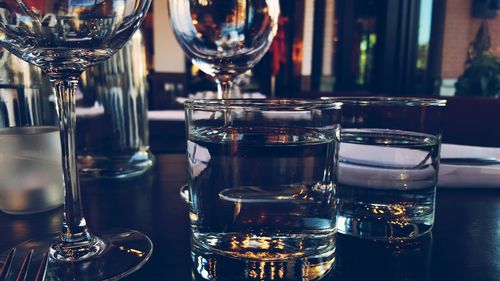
(124, 252)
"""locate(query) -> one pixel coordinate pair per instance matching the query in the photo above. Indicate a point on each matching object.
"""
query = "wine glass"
(224, 38)
(63, 38)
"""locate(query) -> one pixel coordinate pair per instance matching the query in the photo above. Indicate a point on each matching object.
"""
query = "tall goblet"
(63, 38)
(224, 38)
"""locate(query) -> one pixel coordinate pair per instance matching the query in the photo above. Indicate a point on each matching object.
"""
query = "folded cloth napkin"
(385, 168)
(166, 115)
(213, 95)
(463, 175)
(93, 111)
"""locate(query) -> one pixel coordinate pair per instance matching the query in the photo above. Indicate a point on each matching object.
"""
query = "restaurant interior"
(234, 140)
(357, 48)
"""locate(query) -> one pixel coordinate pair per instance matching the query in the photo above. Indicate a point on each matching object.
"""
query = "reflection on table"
(462, 245)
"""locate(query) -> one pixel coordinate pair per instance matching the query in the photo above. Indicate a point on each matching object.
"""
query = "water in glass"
(112, 139)
(387, 180)
(263, 194)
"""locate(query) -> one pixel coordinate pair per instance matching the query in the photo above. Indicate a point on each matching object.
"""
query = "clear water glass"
(112, 135)
(261, 187)
(388, 166)
(224, 38)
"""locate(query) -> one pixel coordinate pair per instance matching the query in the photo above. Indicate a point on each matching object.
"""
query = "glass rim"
(289, 104)
(388, 101)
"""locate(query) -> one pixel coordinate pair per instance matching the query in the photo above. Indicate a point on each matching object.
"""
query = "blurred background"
(351, 47)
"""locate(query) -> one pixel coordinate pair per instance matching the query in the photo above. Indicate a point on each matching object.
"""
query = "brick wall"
(460, 29)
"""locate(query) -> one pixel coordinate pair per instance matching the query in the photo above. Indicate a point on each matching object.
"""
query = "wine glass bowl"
(60, 35)
(224, 38)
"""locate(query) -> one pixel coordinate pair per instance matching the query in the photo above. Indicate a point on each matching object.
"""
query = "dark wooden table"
(464, 245)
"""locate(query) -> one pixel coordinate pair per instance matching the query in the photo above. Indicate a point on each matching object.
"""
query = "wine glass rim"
(293, 104)
(387, 101)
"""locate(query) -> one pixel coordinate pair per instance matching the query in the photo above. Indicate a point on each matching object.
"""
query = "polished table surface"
(464, 245)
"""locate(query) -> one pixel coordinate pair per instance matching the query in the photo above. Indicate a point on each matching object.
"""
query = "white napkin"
(92, 111)
(460, 176)
(388, 168)
(361, 166)
(213, 95)
(166, 115)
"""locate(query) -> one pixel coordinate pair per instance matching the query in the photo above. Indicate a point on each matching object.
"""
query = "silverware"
(23, 271)
(471, 161)
(6, 265)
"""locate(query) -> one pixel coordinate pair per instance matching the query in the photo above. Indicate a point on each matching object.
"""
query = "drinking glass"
(63, 38)
(261, 187)
(388, 166)
(30, 151)
(224, 38)
(112, 140)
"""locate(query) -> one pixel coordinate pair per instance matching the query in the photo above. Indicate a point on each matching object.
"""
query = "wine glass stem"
(74, 226)
(224, 89)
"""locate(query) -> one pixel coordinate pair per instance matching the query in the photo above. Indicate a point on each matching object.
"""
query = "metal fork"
(23, 271)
